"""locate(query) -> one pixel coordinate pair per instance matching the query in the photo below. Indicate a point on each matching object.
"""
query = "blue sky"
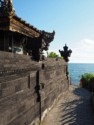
(72, 20)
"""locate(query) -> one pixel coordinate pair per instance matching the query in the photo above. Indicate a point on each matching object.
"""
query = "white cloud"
(83, 52)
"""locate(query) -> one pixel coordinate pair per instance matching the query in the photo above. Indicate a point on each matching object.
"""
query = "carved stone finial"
(66, 53)
(65, 47)
(7, 8)
(10, 9)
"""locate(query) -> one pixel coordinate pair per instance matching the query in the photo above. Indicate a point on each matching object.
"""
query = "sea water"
(77, 69)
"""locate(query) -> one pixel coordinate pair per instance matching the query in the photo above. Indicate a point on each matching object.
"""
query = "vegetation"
(87, 81)
(53, 55)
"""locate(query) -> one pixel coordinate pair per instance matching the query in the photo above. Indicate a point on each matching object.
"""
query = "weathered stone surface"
(27, 90)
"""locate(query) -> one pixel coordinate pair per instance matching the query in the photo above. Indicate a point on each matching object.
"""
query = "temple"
(18, 36)
(29, 88)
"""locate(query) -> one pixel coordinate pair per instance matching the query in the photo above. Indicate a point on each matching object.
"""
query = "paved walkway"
(72, 109)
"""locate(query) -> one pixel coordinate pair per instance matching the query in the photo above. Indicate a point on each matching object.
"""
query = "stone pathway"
(72, 109)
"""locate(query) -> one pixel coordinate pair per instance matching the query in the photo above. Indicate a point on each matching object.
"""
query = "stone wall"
(92, 101)
(28, 89)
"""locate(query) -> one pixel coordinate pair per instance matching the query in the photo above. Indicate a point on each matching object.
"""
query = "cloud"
(83, 51)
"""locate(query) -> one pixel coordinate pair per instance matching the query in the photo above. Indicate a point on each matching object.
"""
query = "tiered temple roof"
(13, 26)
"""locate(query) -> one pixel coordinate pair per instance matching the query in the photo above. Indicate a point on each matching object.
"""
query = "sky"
(72, 20)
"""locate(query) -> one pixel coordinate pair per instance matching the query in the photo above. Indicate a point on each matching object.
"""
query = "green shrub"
(86, 80)
(53, 55)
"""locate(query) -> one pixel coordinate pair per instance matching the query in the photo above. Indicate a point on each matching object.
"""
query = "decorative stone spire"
(10, 9)
(7, 8)
(66, 53)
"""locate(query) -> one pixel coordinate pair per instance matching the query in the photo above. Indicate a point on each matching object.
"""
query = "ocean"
(77, 69)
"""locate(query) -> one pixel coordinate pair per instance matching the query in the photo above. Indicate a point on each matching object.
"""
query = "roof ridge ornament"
(6, 8)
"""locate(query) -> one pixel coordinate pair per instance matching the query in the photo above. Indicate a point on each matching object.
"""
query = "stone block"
(0, 93)
(3, 85)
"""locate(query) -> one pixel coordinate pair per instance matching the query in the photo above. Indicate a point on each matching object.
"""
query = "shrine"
(17, 36)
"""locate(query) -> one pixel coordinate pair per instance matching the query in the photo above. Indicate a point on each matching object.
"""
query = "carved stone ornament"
(66, 53)
(6, 8)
